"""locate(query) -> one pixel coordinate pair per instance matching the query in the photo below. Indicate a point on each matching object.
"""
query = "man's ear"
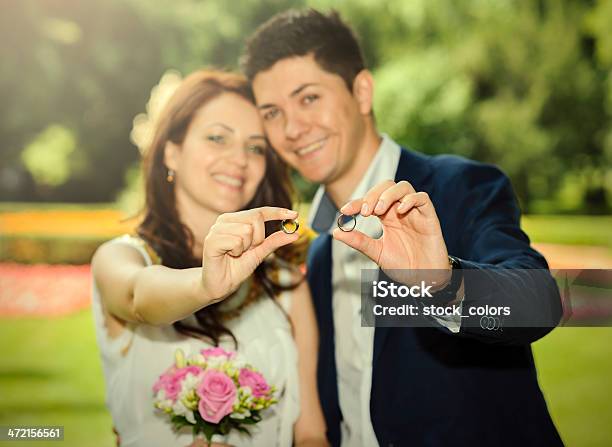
(171, 155)
(363, 91)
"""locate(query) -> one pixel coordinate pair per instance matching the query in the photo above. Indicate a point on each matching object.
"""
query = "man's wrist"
(448, 293)
(445, 280)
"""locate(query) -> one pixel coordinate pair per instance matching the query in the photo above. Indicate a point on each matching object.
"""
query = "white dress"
(133, 361)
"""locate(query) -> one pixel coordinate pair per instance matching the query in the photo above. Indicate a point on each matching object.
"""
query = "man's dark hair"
(302, 32)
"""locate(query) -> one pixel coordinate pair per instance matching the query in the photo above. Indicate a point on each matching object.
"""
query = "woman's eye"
(257, 149)
(219, 139)
(309, 99)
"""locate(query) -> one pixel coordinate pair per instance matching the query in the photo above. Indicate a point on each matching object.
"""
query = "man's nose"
(295, 125)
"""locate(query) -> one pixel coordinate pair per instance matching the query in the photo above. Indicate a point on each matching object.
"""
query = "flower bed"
(91, 223)
(58, 236)
(43, 290)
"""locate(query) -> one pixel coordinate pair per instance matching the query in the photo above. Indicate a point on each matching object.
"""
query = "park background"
(526, 85)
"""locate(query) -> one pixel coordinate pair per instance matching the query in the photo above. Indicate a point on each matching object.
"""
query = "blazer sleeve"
(501, 269)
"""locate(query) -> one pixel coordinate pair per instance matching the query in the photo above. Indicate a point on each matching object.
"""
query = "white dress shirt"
(354, 344)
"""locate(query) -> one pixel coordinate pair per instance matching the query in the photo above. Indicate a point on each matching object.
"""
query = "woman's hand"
(236, 244)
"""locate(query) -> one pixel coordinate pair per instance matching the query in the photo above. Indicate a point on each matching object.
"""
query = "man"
(453, 384)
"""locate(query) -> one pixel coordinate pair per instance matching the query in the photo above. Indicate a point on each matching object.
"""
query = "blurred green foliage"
(47, 157)
(526, 85)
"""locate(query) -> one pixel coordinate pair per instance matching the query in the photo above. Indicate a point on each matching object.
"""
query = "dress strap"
(146, 251)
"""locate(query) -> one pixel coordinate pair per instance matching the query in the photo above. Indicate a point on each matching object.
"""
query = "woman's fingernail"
(379, 206)
(364, 209)
(401, 206)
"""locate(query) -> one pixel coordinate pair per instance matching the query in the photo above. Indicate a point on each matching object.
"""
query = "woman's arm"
(309, 430)
(135, 292)
(234, 246)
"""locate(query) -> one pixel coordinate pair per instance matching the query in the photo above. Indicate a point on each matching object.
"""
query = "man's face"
(310, 117)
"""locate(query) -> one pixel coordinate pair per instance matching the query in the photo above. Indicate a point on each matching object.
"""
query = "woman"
(209, 159)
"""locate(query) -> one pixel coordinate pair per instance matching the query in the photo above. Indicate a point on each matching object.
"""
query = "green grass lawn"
(50, 374)
(570, 230)
(575, 371)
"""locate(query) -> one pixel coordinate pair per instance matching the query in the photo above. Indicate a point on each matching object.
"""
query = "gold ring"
(346, 222)
(290, 226)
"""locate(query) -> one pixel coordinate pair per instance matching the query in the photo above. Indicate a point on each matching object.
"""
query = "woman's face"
(221, 161)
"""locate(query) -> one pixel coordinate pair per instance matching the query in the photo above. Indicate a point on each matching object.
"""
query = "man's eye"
(256, 149)
(309, 99)
(270, 114)
(219, 139)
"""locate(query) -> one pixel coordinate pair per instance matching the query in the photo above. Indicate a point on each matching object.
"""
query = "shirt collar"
(323, 212)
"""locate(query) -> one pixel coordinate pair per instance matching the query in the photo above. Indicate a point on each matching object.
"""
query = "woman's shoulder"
(134, 241)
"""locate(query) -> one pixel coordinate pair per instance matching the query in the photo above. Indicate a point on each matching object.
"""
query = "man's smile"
(311, 148)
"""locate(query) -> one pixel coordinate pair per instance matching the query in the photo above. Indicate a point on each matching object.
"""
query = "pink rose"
(217, 395)
(255, 381)
(181, 373)
(217, 352)
(166, 383)
(170, 381)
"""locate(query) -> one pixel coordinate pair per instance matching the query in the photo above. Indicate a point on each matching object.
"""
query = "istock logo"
(384, 289)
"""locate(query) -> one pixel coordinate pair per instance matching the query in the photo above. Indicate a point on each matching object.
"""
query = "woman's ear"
(172, 153)
(363, 91)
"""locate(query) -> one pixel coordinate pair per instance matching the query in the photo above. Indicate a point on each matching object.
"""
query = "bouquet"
(213, 392)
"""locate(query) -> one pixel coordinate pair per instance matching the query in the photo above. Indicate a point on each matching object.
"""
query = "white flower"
(216, 362)
(240, 414)
(187, 395)
(238, 361)
(161, 402)
(145, 123)
(190, 418)
(190, 382)
(180, 409)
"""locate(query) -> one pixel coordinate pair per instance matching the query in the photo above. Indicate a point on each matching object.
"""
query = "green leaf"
(179, 422)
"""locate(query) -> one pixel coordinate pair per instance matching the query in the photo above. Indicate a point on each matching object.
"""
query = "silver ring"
(290, 226)
(346, 222)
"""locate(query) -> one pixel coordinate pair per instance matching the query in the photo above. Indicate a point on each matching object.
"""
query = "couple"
(207, 267)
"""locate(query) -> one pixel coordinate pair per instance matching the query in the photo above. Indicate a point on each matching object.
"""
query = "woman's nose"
(240, 156)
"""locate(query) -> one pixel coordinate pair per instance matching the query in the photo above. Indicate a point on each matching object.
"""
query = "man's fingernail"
(379, 206)
(401, 206)
(364, 209)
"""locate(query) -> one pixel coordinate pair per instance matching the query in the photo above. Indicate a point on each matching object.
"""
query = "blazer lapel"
(414, 168)
(320, 280)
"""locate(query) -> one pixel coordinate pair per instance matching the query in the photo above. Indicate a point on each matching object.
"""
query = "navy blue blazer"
(431, 387)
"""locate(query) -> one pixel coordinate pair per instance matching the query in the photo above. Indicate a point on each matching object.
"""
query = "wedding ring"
(347, 223)
(290, 226)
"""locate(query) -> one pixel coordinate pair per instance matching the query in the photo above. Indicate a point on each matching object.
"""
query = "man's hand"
(412, 238)
(236, 244)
